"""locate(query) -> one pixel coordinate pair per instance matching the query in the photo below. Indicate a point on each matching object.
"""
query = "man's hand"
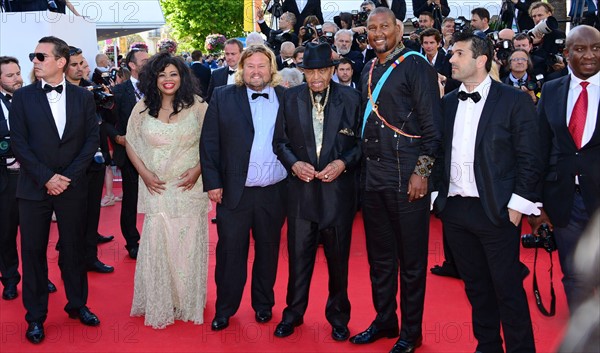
(530, 93)
(260, 15)
(331, 171)
(153, 182)
(57, 184)
(536, 221)
(417, 187)
(558, 66)
(304, 171)
(515, 217)
(121, 140)
(414, 36)
(216, 195)
(189, 178)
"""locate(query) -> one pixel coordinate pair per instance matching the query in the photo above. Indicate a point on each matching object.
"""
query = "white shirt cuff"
(434, 195)
(523, 205)
(263, 21)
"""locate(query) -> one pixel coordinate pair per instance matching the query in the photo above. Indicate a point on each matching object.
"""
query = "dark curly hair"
(185, 95)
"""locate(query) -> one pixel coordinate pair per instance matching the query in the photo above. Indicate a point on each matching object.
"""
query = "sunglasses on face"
(39, 56)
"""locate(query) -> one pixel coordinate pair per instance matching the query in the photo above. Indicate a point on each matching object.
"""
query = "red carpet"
(447, 326)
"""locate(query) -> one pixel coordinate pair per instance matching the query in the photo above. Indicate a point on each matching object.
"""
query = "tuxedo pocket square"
(346, 131)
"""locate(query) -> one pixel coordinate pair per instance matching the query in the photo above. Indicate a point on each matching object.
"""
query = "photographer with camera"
(438, 8)
(308, 31)
(301, 9)
(520, 74)
(285, 33)
(568, 112)
(96, 170)
(548, 40)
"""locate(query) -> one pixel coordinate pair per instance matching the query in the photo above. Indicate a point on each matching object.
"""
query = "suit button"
(366, 140)
(368, 158)
(376, 140)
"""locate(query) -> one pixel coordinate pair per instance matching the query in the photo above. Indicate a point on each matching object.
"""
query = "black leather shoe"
(340, 333)
(35, 332)
(10, 292)
(372, 334)
(85, 316)
(51, 287)
(405, 346)
(446, 270)
(285, 329)
(263, 316)
(100, 267)
(133, 251)
(219, 323)
(102, 239)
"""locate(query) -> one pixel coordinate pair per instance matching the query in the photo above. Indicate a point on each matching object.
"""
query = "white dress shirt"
(230, 78)
(58, 106)
(593, 90)
(301, 5)
(138, 94)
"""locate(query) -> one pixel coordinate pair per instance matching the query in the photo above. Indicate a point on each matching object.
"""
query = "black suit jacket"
(328, 204)
(507, 150)
(439, 13)
(37, 145)
(312, 7)
(226, 141)
(3, 132)
(125, 100)
(356, 58)
(524, 21)
(203, 75)
(563, 160)
(398, 7)
(217, 79)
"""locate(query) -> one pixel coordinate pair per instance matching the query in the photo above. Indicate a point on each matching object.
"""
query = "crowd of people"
(309, 124)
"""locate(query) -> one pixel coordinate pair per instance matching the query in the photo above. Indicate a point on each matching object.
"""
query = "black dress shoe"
(35, 332)
(446, 270)
(285, 329)
(219, 323)
(372, 334)
(263, 316)
(85, 316)
(340, 333)
(133, 251)
(405, 346)
(102, 239)
(10, 292)
(100, 267)
(51, 287)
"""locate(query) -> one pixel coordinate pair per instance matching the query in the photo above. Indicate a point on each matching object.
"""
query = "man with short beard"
(343, 44)
(242, 175)
(344, 73)
(400, 139)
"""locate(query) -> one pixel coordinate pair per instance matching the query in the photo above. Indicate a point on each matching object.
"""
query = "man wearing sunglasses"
(54, 136)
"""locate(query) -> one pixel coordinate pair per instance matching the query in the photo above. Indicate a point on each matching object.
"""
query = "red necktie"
(578, 116)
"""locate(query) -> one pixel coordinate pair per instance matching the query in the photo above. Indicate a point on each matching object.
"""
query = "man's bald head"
(382, 10)
(583, 51)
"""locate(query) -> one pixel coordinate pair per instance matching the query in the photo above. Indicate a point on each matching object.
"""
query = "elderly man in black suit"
(569, 110)
(242, 175)
(54, 134)
(316, 139)
(489, 171)
(225, 75)
(127, 95)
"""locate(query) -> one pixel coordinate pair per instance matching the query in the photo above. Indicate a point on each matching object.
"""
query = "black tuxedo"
(440, 62)
(9, 212)
(217, 79)
(524, 21)
(125, 100)
(319, 210)
(203, 74)
(568, 206)
(42, 154)
(398, 7)
(483, 241)
(225, 146)
(312, 7)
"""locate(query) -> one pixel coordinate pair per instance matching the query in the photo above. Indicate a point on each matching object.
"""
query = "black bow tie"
(475, 96)
(48, 88)
(8, 97)
(256, 95)
(230, 72)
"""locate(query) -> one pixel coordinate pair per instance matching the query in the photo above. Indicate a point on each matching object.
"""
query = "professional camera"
(101, 77)
(543, 239)
(311, 31)
(289, 63)
(103, 99)
(503, 49)
(327, 38)
(360, 18)
(461, 24)
(415, 22)
(544, 27)
(555, 55)
(275, 40)
(5, 150)
(362, 38)
(534, 85)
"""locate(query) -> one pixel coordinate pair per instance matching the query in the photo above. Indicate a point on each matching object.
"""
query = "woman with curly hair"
(163, 137)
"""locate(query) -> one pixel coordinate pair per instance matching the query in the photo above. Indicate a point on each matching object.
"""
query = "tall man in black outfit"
(571, 187)
(243, 176)
(399, 143)
(225, 75)
(316, 139)
(54, 135)
(126, 96)
(488, 175)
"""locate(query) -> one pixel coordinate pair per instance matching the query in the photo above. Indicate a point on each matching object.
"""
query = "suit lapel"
(448, 133)
(43, 102)
(131, 93)
(242, 100)
(304, 110)
(559, 114)
(488, 111)
(332, 121)
(69, 108)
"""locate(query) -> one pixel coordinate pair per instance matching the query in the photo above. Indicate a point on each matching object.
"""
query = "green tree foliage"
(193, 20)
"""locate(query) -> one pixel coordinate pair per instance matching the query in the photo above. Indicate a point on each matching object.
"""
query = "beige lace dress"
(172, 263)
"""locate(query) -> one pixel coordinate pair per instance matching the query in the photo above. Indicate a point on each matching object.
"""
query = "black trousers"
(9, 223)
(262, 212)
(70, 208)
(129, 204)
(95, 184)
(487, 258)
(303, 239)
(397, 233)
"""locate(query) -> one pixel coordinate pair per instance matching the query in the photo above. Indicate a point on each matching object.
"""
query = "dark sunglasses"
(75, 51)
(39, 56)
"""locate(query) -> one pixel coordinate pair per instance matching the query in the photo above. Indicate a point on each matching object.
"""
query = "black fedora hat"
(317, 56)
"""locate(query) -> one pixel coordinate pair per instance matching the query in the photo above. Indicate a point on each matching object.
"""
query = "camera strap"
(536, 289)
